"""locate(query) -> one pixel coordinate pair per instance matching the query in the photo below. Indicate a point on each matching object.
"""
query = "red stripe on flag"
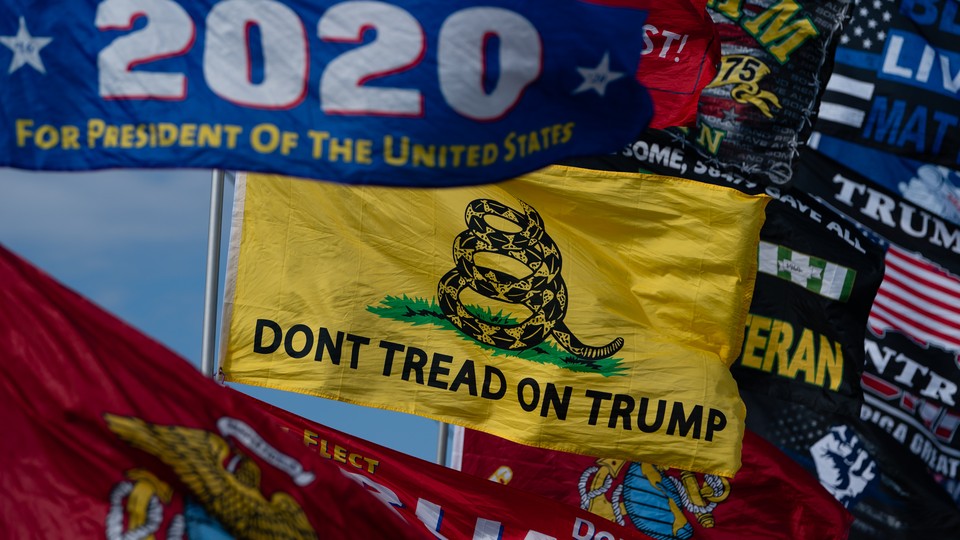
(878, 323)
(924, 274)
(925, 323)
(922, 265)
(909, 324)
(881, 321)
(879, 386)
(945, 305)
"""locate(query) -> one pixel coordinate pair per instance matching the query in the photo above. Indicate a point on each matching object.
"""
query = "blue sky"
(135, 242)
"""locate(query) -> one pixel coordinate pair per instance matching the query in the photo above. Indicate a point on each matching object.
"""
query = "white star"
(877, 4)
(881, 35)
(871, 23)
(597, 78)
(26, 48)
(857, 31)
(886, 16)
(867, 43)
(844, 39)
(730, 115)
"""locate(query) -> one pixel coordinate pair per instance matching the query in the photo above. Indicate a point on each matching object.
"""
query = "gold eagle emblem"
(233, 497)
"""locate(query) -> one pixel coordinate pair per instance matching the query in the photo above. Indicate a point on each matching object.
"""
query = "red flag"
(450, 503)
(108, 434)
(680, 57)
(771, 496)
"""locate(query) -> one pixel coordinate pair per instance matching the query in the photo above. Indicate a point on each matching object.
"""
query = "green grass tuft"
(419, 311)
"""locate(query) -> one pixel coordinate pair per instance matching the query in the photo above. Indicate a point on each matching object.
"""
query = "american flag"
(851, 86)
(919, 299)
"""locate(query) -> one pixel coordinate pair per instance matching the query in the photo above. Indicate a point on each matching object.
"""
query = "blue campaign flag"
(405, 92)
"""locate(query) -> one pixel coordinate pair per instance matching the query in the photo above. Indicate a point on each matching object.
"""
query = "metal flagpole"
(209, 350)
(442, 444)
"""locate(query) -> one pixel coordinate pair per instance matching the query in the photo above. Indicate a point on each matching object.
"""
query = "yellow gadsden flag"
(588, 311)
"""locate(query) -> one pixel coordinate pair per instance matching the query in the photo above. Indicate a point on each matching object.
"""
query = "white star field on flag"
(867, 28)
